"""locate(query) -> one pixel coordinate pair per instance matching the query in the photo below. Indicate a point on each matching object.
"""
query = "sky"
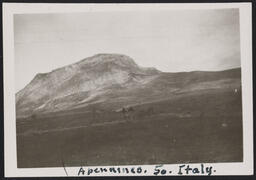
(169, 40)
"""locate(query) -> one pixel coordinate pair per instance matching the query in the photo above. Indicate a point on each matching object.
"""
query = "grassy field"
(205, 126)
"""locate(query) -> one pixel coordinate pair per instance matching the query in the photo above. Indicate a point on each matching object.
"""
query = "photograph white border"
(10, 154)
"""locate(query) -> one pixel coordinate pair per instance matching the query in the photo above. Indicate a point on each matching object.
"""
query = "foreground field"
(205, 126)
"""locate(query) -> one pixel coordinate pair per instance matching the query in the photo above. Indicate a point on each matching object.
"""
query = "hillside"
(114, 79)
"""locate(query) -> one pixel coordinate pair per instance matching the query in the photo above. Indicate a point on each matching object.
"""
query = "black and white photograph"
(129, 87)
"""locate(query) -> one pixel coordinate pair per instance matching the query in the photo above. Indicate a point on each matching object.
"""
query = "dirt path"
(177, 115)
(71, 128)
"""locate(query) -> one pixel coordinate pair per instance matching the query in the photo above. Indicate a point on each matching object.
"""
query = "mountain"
(79, 82)
(112, 81)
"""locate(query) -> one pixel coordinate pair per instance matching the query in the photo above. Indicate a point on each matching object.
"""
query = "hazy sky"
(171, 41)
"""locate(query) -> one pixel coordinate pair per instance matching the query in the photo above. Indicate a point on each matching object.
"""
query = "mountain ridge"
(106, 78)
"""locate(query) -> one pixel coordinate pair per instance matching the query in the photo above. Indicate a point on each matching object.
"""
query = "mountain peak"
(118, 59)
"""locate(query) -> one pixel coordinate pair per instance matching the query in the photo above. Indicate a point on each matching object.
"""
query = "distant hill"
(112, 81)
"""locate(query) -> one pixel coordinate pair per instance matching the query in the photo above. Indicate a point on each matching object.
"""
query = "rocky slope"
(65, 87)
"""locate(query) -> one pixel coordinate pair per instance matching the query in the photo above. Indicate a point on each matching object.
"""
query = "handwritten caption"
(158, 170)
